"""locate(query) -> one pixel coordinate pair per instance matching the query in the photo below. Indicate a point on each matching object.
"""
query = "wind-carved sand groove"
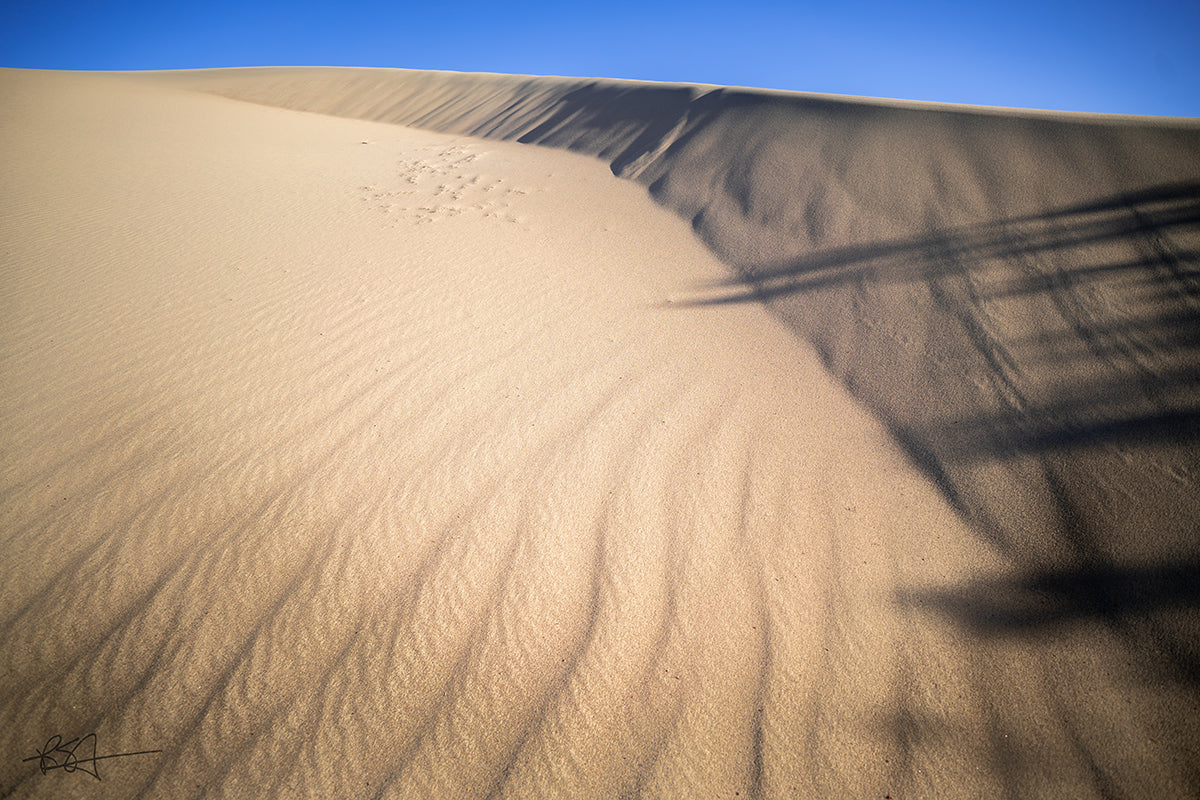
(324, 501)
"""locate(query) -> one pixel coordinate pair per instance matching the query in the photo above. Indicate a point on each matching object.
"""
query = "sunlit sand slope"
(343, 459)
(1015, 295)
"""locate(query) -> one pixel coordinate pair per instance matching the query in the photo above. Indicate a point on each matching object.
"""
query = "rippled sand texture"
(347, 459)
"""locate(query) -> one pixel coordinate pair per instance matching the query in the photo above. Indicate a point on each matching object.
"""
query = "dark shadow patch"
(1051, 600)
(1138, 364)
(1133, 601)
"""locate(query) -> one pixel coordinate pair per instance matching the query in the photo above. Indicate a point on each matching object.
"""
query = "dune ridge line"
(353, 448)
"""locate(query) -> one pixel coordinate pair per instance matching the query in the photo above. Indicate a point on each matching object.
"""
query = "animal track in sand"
(437, 183)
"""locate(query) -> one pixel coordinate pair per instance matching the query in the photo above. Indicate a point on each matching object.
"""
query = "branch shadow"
(1133, 358)
(954, 250)
(1062, 348)
(1049, 602)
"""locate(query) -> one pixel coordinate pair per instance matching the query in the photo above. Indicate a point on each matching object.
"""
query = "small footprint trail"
(439, 182)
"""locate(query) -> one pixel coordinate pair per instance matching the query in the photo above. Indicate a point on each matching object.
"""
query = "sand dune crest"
(343, 458)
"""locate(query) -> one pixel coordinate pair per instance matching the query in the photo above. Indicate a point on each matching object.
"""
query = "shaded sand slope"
(1014, 294)
(342, 459)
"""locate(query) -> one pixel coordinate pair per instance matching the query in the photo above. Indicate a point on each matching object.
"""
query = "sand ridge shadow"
(1039, 366)
(942, 252)
(1139, 365)
(1044, 372)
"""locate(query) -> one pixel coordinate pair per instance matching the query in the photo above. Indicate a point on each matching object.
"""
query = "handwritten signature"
(77, 754)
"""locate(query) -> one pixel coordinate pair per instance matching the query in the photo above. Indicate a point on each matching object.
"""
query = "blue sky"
(1138, 57)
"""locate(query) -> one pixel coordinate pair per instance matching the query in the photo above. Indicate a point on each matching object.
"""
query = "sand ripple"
(352, 477)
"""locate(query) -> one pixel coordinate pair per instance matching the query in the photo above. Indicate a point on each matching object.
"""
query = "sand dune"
(353, 448)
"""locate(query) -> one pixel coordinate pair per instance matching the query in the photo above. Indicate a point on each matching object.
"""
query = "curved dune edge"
(439, 467)
(1032, 271)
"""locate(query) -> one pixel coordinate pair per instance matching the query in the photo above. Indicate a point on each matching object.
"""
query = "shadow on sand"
(1047, 602)
(1054, 358)
(1114, 353)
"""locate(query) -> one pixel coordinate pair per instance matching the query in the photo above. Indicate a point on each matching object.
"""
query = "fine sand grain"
(353, 447)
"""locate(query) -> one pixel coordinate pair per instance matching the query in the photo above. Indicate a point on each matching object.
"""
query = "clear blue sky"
(1136, 57)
